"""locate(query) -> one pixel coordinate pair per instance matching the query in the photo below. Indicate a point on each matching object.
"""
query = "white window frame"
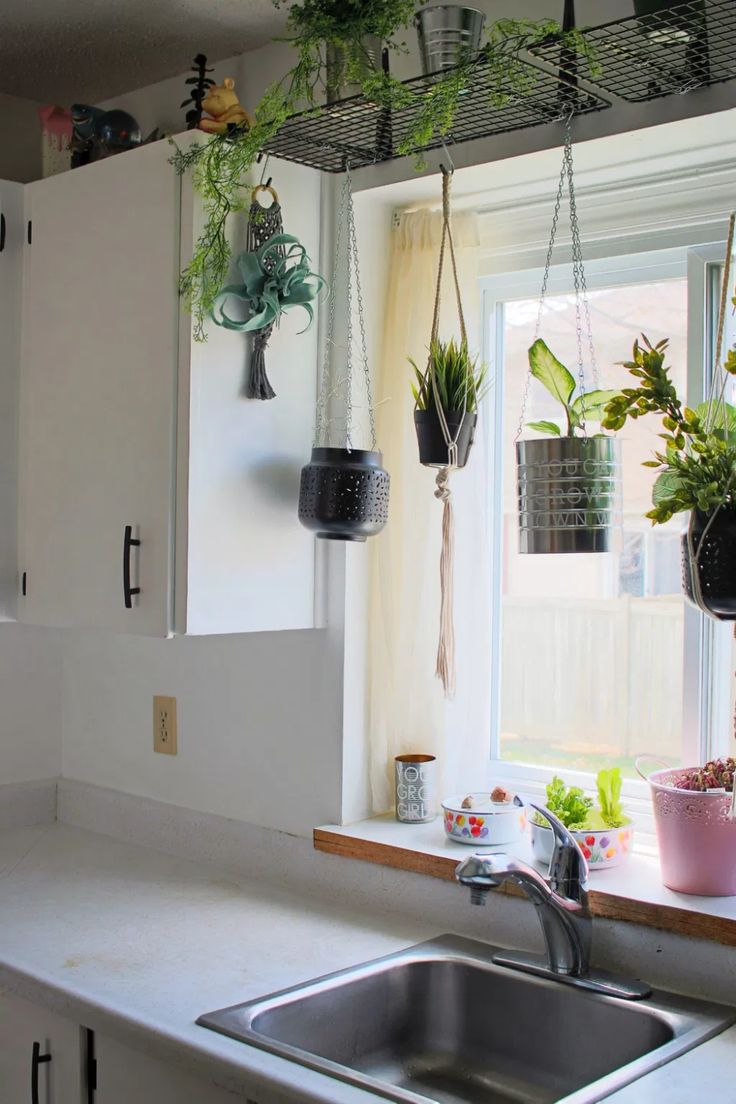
(708, 652)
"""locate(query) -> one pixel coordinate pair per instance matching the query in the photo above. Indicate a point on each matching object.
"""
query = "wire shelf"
(363, 133)
(687, 45)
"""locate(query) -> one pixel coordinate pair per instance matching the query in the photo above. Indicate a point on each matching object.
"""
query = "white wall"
(30, 703)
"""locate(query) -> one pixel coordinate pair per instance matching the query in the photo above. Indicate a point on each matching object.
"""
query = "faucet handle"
(568, 868)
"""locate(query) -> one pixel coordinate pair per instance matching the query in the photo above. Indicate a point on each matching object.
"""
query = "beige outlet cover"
(164, 725)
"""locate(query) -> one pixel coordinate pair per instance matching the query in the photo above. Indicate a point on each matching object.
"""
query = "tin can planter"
(697, 838)
(416, 788)
(344, 494)
(431, 440)
(569, 494)
(709, 575)
(603, 848)
(448, 34)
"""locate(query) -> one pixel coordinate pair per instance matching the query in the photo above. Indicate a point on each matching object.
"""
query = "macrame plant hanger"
(263, 224)
(445, 665)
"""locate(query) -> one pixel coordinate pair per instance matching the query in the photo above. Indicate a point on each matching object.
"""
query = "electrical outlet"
(164, 725)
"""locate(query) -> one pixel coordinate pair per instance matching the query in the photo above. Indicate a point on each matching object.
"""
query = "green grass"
(540, 753)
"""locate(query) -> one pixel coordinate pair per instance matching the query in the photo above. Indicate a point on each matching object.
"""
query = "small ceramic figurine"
(222, 104)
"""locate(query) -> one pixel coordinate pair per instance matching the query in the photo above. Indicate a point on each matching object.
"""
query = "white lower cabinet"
(40, 1055)
(49, 1059)
(125, 1076)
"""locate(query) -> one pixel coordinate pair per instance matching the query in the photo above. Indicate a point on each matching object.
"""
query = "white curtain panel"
(407, 710)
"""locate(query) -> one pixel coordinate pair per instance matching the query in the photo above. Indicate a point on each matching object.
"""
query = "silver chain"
(346, 218)
(582, 304)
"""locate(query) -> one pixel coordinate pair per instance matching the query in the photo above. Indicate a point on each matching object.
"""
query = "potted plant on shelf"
(568, 480)
(696, 827)
(603, 831)
(455, 386)
(697, 472)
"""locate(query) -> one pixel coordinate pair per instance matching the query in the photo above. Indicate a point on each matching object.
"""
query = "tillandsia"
(276, 278)
(221, 164)
(577, 410)
(461, 381)
(697, 464)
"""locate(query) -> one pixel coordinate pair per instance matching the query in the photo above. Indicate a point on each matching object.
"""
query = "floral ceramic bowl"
(602, 848)
(486, 824)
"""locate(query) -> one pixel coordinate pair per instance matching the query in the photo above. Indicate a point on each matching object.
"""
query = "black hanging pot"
(344, 494)
(709, 574)
(432, 446)
(569, 494)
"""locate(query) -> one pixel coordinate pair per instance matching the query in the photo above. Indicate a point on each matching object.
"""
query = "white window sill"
(631, 892)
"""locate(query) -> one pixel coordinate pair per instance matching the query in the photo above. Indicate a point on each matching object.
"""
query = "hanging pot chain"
(582, 305)
(346, 218)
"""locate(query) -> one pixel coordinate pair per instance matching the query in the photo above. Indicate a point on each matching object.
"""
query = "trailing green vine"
(221, 164)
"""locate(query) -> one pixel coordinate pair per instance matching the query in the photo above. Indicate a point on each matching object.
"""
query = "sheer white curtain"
(407, 711)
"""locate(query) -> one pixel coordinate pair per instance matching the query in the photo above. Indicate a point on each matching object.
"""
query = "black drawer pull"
(2, 231)
(37, 1059)
(129, 542)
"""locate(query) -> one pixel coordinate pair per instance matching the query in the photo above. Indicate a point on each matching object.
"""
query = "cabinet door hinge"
(30, 231)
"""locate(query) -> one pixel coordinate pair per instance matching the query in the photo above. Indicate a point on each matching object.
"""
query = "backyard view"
(592, 646)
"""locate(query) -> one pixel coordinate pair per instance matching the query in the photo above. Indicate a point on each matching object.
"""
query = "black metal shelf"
(363, 133)
(691, 44)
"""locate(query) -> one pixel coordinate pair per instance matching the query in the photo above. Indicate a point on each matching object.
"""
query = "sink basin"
(441, 1022)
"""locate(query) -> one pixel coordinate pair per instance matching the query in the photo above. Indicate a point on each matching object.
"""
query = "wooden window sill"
(632, 892)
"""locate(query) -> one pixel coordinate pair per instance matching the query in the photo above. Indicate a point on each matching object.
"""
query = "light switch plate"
(164, 725)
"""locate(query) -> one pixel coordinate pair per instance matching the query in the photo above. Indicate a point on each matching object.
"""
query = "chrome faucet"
(562, 906)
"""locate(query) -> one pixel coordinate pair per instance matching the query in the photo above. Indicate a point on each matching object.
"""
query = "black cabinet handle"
(129, 542)
(2, 231)
(37, 1059)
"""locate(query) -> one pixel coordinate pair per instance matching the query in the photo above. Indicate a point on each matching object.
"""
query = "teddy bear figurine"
(222, 104)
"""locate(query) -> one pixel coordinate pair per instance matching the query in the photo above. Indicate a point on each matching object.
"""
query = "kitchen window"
(598, 658)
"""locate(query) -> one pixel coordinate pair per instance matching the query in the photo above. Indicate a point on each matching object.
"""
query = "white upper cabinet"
(12, 231)
(130, 431)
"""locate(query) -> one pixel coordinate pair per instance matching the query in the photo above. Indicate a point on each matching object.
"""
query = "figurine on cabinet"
(97, 134)
(222, 104)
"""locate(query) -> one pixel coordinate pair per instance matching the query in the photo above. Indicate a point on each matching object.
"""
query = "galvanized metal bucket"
(569, 494)
(448, 34)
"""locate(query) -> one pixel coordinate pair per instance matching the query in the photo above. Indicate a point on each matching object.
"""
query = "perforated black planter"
(344, 494)
(715, 569)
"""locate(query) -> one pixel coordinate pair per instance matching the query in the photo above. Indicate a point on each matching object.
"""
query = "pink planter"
(697, 838)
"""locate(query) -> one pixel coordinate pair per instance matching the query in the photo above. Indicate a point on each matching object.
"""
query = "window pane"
(592, 646)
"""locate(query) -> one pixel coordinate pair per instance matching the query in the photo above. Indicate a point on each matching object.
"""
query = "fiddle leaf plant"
(560, 382)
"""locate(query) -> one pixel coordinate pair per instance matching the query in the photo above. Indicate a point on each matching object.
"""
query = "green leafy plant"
(221, 165)
(697, 465)
(461, 380)
(568, 803)
(608, 783)
(577, 811)
(561, 384)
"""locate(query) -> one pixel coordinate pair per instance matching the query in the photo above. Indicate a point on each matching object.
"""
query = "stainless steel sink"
(441, 1022)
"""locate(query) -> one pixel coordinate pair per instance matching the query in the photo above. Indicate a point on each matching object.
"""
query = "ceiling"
(62, 51)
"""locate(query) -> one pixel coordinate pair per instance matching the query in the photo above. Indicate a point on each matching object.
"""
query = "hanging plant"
(344, 491)
(697, 467)
(221, 165)
(459, 385)
(568, 482)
